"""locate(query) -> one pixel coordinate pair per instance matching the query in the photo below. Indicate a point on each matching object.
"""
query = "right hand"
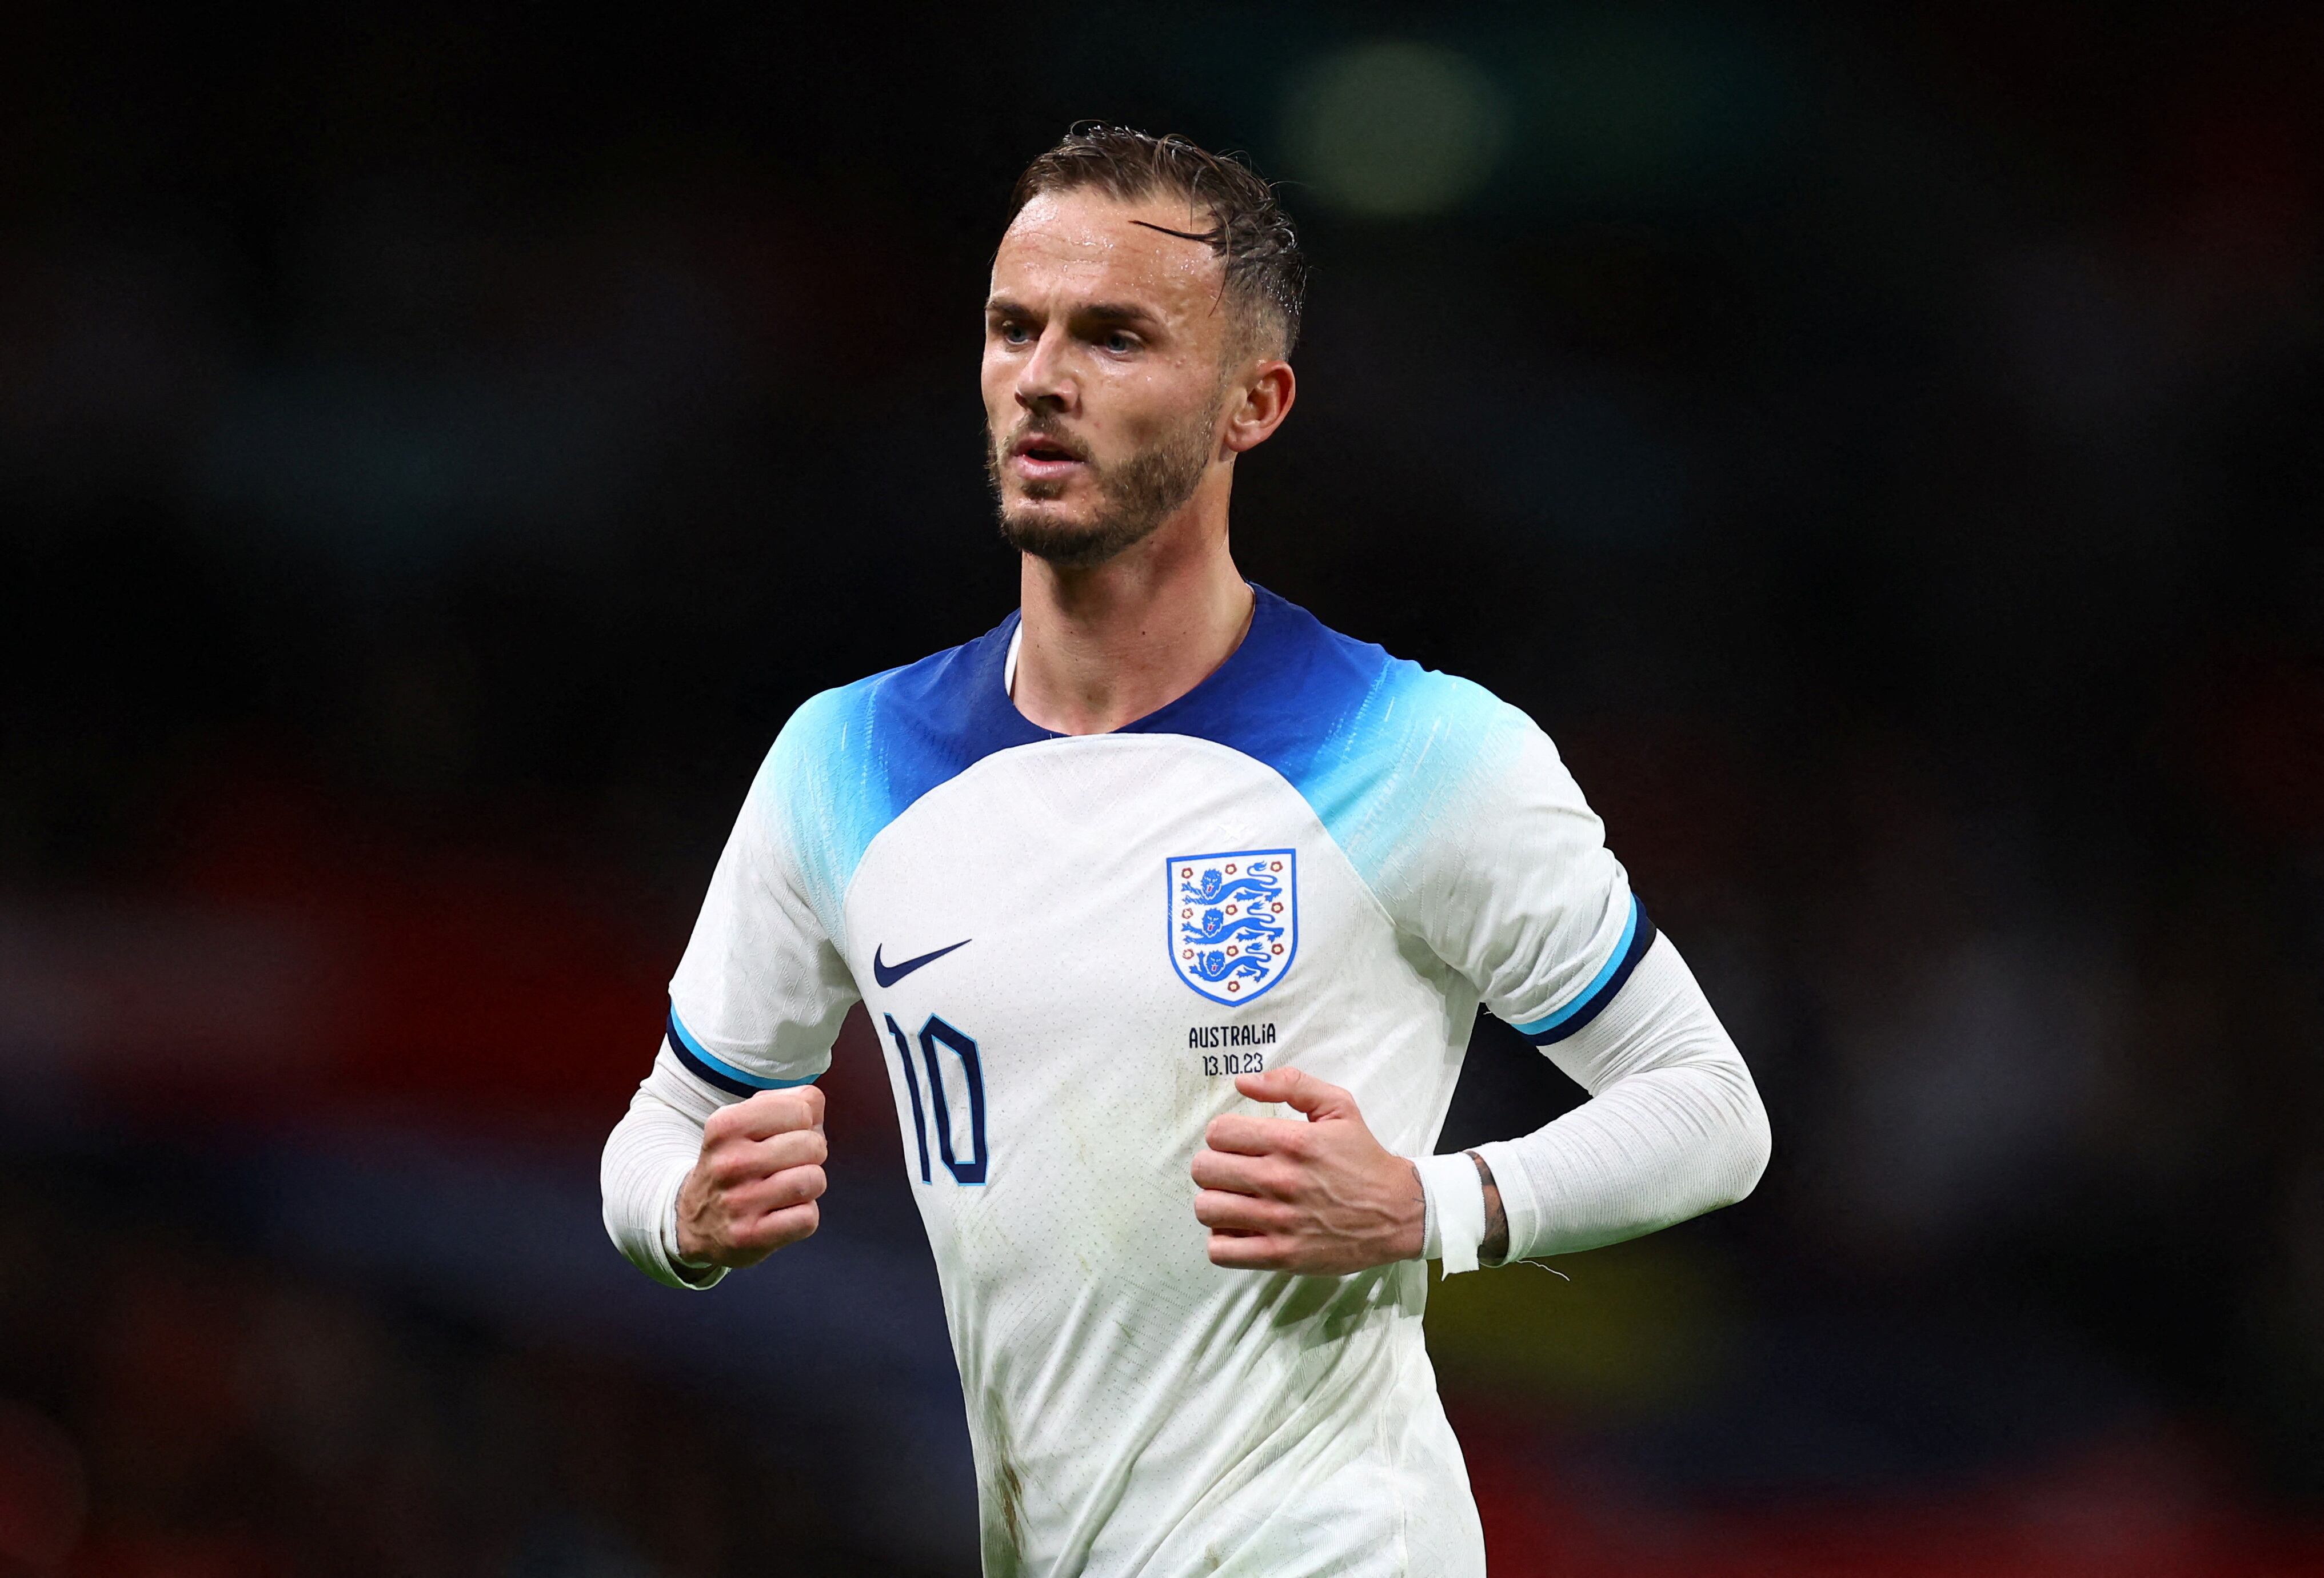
(760, 1173)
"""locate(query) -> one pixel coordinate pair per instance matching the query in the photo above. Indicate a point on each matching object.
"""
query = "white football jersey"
(1069, 946)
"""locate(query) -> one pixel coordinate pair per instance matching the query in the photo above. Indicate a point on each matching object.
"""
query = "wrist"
(686, 1249)
(689, 1263)
(1456, 1211)
(1493, 1249)
(1412, 1238)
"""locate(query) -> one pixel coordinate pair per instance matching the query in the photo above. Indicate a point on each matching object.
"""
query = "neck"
(1105, 645)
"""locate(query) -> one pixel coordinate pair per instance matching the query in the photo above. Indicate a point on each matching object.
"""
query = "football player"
(1172, 909)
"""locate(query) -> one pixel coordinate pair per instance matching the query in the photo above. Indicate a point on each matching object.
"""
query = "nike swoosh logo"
(888, 974)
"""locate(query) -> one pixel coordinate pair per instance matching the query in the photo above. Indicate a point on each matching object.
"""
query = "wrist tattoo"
(1495, 1249)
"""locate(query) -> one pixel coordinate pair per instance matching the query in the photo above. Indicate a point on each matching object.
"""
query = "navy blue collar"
(1276, 627)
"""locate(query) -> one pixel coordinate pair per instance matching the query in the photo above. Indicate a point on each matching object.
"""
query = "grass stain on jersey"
(1004, 1520)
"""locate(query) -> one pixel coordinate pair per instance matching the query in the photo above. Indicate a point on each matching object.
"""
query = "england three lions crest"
(1234, 920)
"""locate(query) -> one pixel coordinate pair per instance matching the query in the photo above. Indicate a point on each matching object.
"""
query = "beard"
(1134, 496)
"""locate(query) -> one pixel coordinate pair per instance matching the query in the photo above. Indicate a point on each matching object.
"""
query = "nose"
(1044, 382)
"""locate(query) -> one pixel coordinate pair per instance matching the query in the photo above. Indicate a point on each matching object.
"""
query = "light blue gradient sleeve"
(759, 993)
(1458, 811)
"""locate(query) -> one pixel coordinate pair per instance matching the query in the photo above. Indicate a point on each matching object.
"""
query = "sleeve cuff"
(1637, 934)
(716, 1072)
(1454, 1199)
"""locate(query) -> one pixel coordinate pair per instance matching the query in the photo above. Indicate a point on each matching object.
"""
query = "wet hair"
(1266, 273)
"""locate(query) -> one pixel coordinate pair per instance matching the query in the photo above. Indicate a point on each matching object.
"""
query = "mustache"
(1048, 433)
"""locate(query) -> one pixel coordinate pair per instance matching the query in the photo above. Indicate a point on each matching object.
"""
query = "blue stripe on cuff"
(1637, 936)
(709, 1067)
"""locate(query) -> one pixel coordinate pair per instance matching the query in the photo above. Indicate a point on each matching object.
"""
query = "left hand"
(1321, 1197)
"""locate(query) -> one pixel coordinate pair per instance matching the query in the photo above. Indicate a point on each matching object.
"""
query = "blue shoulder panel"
(1378, 746)
(850, 760)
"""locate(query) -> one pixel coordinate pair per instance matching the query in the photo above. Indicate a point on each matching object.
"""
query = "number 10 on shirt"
(934, 1035)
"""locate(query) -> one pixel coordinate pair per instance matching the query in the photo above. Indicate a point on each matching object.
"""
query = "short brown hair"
(1266, 274)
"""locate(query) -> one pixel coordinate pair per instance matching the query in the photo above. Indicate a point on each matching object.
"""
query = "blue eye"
(1121, 343)
(1015, 334)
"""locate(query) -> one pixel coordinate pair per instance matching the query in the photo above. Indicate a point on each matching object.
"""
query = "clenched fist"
(1317, 1195)
(755, 1187)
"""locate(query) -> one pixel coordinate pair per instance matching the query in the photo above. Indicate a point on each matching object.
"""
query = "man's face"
(1105, 372)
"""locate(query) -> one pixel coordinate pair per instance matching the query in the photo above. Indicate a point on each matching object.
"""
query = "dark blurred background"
(440, 446)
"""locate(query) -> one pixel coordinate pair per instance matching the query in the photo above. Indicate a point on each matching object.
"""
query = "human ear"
(1268, 392)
